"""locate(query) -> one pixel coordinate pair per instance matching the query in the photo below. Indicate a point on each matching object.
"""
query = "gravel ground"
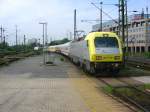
(144, 79)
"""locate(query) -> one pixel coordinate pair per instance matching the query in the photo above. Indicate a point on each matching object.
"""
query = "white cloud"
(58, 13)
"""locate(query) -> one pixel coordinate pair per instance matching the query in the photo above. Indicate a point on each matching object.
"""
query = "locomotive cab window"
(106, 42)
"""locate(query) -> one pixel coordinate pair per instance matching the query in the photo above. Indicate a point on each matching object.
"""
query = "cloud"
(58, 13)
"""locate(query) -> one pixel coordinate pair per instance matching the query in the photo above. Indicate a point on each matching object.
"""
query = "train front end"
(105, 50)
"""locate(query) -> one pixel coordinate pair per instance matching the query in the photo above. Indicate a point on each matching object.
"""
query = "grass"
(130, 93)
(147, 86)
(145, 54)
(108, 89)
(123, 90)
(62, 59)
(132, 71)
(6, 61)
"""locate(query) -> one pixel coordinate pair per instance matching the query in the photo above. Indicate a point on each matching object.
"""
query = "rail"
(130, 93)
(139, 62)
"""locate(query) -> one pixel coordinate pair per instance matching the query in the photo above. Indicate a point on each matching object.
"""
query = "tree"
(57, 42)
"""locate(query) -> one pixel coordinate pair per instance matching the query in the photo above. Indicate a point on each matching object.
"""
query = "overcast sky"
(58, 13)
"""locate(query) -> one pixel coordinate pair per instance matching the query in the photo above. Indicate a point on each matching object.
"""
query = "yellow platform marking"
(93, 97)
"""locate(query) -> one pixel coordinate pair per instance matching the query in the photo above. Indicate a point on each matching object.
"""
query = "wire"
(105, 13)
(110, 17)
(112, 10)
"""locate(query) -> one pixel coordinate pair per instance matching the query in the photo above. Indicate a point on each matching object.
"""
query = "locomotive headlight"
(116, 65)
(98, 57)
(117, 57)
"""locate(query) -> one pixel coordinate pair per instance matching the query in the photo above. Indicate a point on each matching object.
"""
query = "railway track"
(11, 58)
(139, 63)
(130, 91)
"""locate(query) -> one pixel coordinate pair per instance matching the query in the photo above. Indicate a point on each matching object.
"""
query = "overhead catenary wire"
(106, 14)
(110, 17)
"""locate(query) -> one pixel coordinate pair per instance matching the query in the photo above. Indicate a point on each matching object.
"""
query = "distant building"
(32, 41)
(138, 32)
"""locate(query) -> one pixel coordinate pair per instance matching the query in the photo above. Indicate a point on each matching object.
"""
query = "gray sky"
(58, 13)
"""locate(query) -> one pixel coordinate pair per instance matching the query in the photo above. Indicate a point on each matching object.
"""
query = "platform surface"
(29, 86)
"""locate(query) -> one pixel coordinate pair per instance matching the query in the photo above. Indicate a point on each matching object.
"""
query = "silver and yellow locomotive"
(98, 51)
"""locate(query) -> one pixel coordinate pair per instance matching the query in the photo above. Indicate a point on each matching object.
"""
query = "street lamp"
(44, 32)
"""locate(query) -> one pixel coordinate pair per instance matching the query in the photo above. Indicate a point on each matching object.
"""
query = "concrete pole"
(24, 40)
(127, 33)
(16, 36)
(43, 24)
(70, 35)
(1, 29)
(75, 24)
(46, 39)
(46, 43)
(146, 33)
(3, 36)
(43, 44)
(123, 20)
(101, 18)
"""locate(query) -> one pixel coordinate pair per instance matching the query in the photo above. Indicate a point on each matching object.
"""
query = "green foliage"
(147, 86)
(57, 42)
(61, 59)
(147, 54)
(108, 89)
(5, 49)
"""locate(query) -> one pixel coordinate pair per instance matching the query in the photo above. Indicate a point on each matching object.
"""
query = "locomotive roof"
(100, 34)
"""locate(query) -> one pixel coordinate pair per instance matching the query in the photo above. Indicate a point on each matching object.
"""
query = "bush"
(147, 54)
(61, 59)
(12, 50)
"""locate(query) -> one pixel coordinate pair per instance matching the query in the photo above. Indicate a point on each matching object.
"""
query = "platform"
(28, 86)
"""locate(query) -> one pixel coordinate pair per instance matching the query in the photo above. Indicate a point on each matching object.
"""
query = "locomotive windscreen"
(106, 42)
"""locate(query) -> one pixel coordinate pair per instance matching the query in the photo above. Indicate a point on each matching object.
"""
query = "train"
(97, 52)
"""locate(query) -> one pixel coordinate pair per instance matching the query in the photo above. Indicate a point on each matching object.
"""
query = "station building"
(138, 39)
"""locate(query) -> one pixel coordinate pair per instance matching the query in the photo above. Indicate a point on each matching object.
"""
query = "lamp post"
(44, 25)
